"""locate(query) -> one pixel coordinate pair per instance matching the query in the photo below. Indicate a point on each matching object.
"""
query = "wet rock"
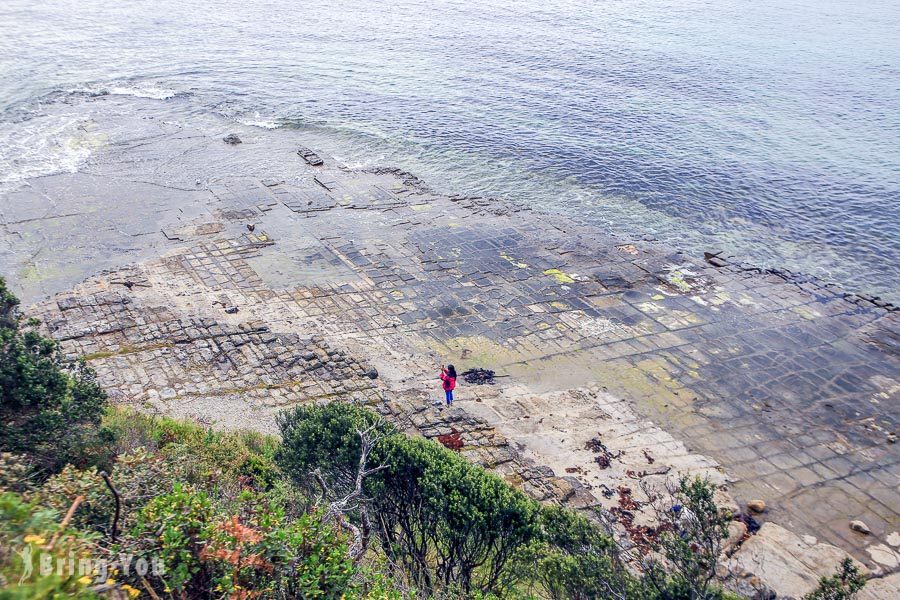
(757, 506)
(232, 139)
(860, 527)
(372, 373)
(714, 258)
(310, 157)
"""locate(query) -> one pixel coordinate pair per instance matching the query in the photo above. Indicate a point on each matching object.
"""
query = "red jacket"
(449, 383)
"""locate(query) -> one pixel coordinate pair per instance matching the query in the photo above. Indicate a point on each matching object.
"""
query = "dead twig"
(146, 585)
(115, 493)
(337, 510)
(65, 522)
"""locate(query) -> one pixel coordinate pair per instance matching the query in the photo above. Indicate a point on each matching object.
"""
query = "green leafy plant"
(257, 553)
(325, 438)
(174, 527)
(574, 559)
(690, 537)
(440, 519)
(48, 405)
(29, 531)
(843, 585)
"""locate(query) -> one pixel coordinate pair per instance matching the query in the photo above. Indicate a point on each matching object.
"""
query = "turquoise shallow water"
(769, 128)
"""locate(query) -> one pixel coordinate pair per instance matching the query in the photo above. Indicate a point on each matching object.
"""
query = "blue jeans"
(449, 394)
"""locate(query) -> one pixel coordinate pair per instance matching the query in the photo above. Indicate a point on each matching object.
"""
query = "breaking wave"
(257, 121)
(136, 90)
(45, 145)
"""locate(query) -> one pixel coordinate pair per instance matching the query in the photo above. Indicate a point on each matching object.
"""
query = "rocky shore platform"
(228, 279)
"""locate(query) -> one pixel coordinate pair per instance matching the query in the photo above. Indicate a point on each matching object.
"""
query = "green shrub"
(843, 585)
(690, 534)
(257, 553)
(227, 459)
(573, 559)
(444, 521)
(137, 476)
(15, 473)
(175, 527)
(373, 582)
(26, 529)
(306, 557)
(447, 520)
(324, 437)
(48, 406)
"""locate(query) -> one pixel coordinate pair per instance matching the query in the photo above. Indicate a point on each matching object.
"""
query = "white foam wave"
(258, 121)
(144, 92)
(45, 146)
(138, 91)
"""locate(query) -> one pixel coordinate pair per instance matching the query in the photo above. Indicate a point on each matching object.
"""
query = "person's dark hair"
(451, 370)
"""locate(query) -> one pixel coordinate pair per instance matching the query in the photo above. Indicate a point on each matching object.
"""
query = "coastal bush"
(228, 459)
(49, 406)
(843, 585)
(152, 454)
(175, 527)
(324, 438)
(446, 520)
(689, 539)
(192, 500)
(258, 552)
(573, 558)
(28, 531)
(441, 521)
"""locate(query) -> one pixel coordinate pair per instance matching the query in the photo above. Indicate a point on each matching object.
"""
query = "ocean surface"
(769, 129)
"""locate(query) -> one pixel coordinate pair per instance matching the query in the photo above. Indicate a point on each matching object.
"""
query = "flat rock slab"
(788, 564)
(882, 588)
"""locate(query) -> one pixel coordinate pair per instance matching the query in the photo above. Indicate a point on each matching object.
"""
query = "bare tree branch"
(355, 500)
(65, 522)
(118, 500)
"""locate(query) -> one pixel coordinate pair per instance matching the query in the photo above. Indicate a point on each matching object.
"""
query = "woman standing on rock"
(448, 379)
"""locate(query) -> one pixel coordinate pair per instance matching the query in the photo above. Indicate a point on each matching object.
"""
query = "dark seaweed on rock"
(479, 376)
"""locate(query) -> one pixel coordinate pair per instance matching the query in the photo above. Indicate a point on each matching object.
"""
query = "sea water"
(769, 129)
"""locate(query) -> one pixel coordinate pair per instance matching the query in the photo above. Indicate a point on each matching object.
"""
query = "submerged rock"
(310, 157)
